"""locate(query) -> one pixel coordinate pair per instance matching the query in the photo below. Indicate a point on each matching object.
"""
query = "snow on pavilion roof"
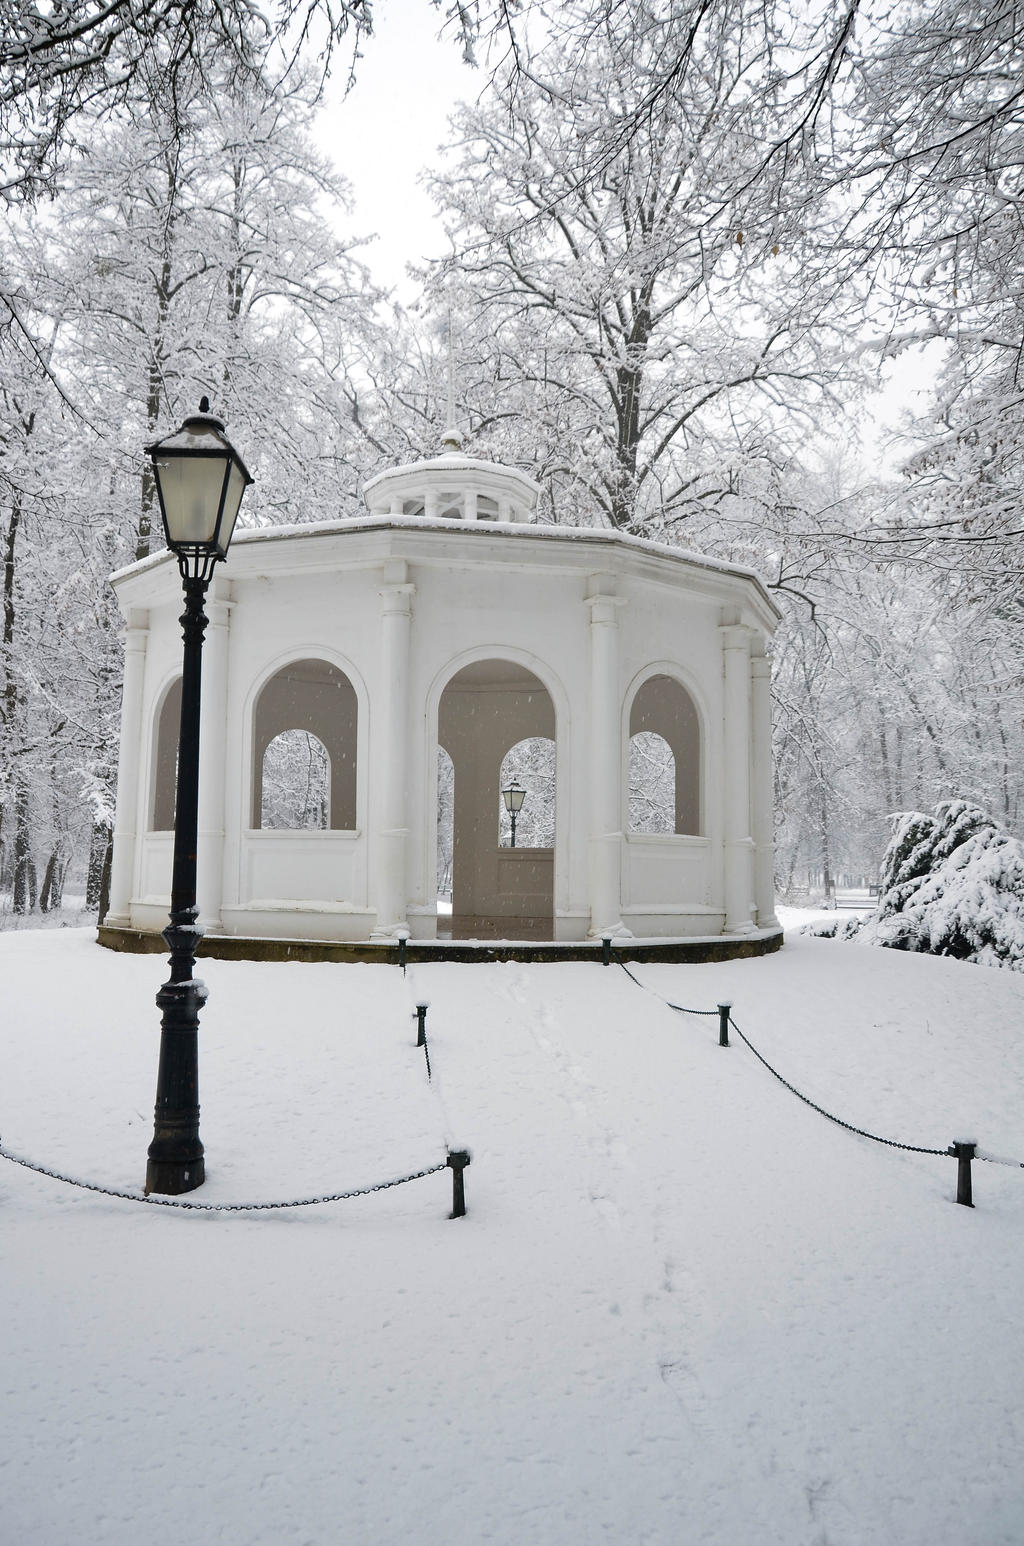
(486, 533)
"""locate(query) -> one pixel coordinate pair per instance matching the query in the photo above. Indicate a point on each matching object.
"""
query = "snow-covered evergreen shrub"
(951, 884)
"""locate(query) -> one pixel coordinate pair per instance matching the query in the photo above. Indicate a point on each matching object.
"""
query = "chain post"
(724, 1011)
(401, 952)
(421, 1025)
(606, 950)
(963, 1151)
(457, 1161)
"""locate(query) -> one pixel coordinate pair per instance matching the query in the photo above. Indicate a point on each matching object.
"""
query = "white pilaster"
(739, 846)
(605, 766)
(761, 800)
(212, 731)
(389, 757)
(127, 815)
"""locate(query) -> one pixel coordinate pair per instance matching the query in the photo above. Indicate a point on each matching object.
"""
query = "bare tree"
(653, 310)
(60, 66)
(186, 255)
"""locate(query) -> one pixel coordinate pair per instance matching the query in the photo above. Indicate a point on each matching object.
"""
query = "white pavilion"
(446, 623)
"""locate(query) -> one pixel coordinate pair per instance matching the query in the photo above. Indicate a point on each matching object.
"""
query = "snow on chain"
(222, 1207)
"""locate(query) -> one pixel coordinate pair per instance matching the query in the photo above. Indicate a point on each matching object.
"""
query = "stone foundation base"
(230, 947)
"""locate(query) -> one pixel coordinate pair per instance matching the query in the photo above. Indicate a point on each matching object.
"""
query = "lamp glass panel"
(190, 488)
(237, 486)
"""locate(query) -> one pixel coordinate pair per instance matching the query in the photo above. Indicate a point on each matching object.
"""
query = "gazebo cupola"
(453, 487)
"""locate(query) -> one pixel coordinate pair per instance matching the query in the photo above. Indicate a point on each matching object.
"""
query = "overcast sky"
(388, 128)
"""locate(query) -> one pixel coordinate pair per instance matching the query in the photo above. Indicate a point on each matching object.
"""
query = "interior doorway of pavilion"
(496, 721)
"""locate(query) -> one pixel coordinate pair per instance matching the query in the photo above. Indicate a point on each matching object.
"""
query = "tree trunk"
(59, 877)
(98, 845)
(824, 848)
(46, 902)
(883, 746)
(155, 386)
(104, 897)
(24, 869)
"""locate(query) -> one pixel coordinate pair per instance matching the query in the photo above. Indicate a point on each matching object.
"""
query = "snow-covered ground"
(683, 1307)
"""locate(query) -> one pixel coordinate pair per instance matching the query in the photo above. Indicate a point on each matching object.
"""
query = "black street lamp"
(200, 479)
(513, 796)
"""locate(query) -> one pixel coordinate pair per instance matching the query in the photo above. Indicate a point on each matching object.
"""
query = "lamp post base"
(175, 1156)
(172, 1177)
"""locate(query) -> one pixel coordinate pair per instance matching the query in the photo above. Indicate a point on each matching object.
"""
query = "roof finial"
(451, 440)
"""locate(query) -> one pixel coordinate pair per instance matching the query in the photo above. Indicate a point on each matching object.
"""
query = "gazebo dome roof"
(453, 486)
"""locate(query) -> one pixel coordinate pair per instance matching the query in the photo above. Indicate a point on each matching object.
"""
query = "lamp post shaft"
(512, 814)
(176, 1161)
(200, 479)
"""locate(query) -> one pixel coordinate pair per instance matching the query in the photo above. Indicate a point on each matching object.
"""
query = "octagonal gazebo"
(448, 618)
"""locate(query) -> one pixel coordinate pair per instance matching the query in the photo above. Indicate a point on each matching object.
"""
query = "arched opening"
(296, 784)
(487, 711)
(531, 763)
(165, 761)
(664, 759)
(445, 830)
(306, 704)
(652, 784)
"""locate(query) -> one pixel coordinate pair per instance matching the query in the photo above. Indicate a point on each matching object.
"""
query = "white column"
(762, 794)
(212, 733)
(605, 767)
(739, 845)
(470, 511)
(389, 755)
(129, 758)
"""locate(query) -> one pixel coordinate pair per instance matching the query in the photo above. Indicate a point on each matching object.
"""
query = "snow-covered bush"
(951, 884)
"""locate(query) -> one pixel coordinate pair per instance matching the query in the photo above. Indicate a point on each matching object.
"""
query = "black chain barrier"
(892, 1143)
(679, 1007)
(457, 1159)
(223, 1207)
(998, 1159)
